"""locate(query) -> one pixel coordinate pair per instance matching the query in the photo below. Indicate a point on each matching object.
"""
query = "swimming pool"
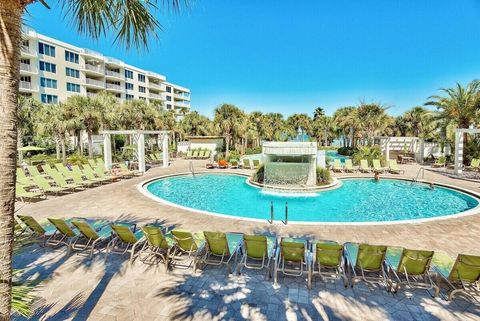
(357, 200)
(332, 155)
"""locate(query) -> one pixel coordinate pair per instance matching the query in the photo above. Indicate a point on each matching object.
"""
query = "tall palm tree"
(74, 108)
(346, 120)
(417, 121)
(51, 122)
(227, 119)
(194, 124)
(297, 121)
(258, 125)
(372, 118)
(26, 110)
(459, 106)
(318, 113)
(274, 126)
(132, 22)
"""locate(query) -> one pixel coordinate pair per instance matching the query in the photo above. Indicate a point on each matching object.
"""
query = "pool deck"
(80, 289)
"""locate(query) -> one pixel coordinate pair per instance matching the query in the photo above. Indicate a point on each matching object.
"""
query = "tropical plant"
(274, 126)
(259, 174)
(194, 124)
(132, 22)
(369, 153)
(318, 113)
(51, 122)
(323, 176)
(226, 121)
(297, 121)
(372, 119)
(347, 123)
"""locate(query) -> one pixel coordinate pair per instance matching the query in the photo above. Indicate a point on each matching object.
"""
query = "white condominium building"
(52, 70)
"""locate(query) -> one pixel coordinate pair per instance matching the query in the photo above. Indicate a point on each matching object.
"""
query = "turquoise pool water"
(357, 200)
(332, 154)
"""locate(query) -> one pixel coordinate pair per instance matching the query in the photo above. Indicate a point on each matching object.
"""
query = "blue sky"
(291, 56)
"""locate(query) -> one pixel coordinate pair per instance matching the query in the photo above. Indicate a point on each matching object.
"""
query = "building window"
(128, 74)
(141, 77)
(73, 87)
(169, 106)
(49, 99)
(45, 49)
(142, 89)
(47, 82)
(169, 89)
(46, 66)
(70, 72)
(142, 98)
(169, 98)
(71, 56)
(128, 86)
(128, 97)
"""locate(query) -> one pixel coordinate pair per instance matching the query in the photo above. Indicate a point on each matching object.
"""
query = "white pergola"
(459, 146)
(139, 140)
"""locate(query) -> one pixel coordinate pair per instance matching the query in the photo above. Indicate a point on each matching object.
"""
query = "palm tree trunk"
(57, 148)
(10, 30)
(90, 144)
(64, 150)
(19, 144)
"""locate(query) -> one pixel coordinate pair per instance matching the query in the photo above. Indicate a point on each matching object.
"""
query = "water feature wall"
(278, 173)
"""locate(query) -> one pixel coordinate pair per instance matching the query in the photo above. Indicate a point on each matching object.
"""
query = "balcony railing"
(91, 95)
(157, 96)
(27, 67)
(95, 82)
(113, 74)
(113, 86)
(181, 104)
(94, 68)
(28, 51)
(26, 85)
(154, 85)
(182, 96)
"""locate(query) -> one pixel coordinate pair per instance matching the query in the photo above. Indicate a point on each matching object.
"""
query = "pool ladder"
(191, 168)
(421, 170)
(272, 214)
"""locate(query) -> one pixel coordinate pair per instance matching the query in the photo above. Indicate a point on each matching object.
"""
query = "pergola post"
(107, 151)
(141, 152)
(165, 154)
(422, 150)
(387, 149)
(458, 151)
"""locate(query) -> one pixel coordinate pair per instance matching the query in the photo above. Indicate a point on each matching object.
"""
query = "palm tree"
(258, 125)
(274, 126)
(51, 122)
(346, 120)
(324, 130)
(132, 22)
(460, 106)
(194, 124)
(297, 121)
(417, 121)
(92, 117)
(25, 119)
(227, 119)
(372, 118)
(318, 113)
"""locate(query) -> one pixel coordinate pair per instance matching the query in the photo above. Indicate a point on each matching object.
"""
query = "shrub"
(253, 150)
(323, 176)
(233, 154)
(369, 153)
(77, 159)
(258, 176)
(346, 151)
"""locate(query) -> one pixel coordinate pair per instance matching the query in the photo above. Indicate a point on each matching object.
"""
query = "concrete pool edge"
(141, 187)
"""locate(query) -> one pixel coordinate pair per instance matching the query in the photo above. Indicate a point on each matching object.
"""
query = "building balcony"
(29, 69)
(91, 95)
(182, 96)
(28, 86)
(114, 87)
(157, 86)
(156, 76)
(113, 74)
(89, 68)
(27, 51)
(94, 83)
(156, 96)
(179, 104)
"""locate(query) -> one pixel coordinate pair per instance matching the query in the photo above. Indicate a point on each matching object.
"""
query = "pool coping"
(141, 188)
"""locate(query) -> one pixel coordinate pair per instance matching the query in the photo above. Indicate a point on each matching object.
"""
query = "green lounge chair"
(364, 168)
(156, 245)
(462, 275)
(45, 186)
(189, 154)
(328, 261)
(337, 165)
(64, 234)
(77, 178)
(366, 263)
(89, 236)
(125, 240)
(257, 248)
(102, 165)
(377, 166)
(207, 154)
(195, 154)
(393, 167)
(221, 248)
(90, 175)
(60, 181)
(100, 173)
(440, 162)
(33, 170)
(34, 228)
(474, 165)
(246, 163)
(23, 179)
(23, 194)
(234, 163)
(349, 166)
(256, 164)
(62, 169)
(201, 154)
(410, 268)
(159, 156)
(92, 162)
(126, 172)
(187, 250)
(292, 258)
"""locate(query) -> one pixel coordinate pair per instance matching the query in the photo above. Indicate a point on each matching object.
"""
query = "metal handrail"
(272, 215)
(421, 170)
(191, 168)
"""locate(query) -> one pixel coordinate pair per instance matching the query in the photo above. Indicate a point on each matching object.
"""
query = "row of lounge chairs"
(198, 154)
(154, 158)
(392, 267)
(61, 179)
(365, 168)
